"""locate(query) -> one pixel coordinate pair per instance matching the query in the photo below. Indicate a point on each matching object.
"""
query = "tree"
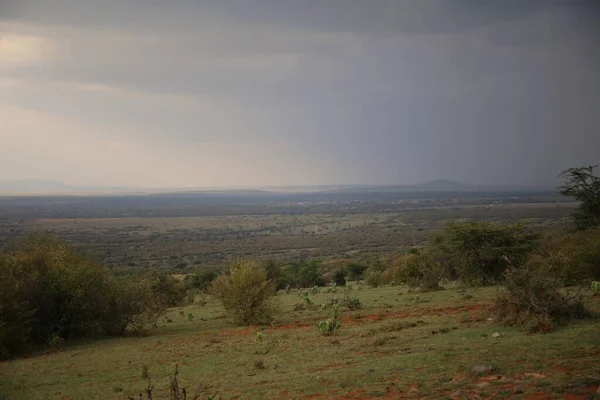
(582, 185)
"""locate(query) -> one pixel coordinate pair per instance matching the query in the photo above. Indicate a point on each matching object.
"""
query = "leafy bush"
(49, 293)
(356, 271)
(421, 270)
(246, 293)
(533, 298)
(331, 325)
(275, 273)
(595, 287)
(373, 278)
(339, 277)
(476, 251)
(200, 280)
(575, 257)
(309, 275)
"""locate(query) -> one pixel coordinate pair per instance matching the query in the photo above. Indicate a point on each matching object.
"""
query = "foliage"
(373, 278)
(533, 297)
(475, 251)
(331, 325)
(49, 293)
(582, 185)
(339, 277)
(200, 280)
(309, 275)
(246, 293)
(595, 288)
(423, 271)
(574, 257)
(355, 271)
(275, 273)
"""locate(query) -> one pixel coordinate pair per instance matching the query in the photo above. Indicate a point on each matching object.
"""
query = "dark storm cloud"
(374, 91)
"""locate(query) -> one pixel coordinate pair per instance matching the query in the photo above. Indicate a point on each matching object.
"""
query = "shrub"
(533, 297)
(339, 277)
(200, 280)
(49, 293)
(309, 275)
(373, 278)
(422, 271)
(356, 271)
(131, 306)
(275, 273)
(331, 325)
(246, 293)
(595, 287)
(476, 251)
(574, 257)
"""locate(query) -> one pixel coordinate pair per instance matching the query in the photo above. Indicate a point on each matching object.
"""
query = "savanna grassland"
(414, 327)
(127, 233)
(401, 344)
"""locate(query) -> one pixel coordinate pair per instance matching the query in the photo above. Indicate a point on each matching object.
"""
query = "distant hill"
(439, 185)
(442, 185)
(52, 187)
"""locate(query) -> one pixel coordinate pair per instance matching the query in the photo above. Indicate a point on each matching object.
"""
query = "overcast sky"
(270, 92)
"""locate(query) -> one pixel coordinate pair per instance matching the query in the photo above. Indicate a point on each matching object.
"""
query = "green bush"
(200, 280)
(356, 271)
(534, 297)
(339, 277)
(574, 257)
(131, 306)
(246, 293)
(309, 275)
(373, 278)
(49, 293)
(476, 251)
(331, 325)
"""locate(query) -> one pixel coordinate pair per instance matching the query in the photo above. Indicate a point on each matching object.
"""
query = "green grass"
(396, 346)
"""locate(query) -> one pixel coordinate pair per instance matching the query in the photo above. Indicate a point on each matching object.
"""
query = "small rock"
(482, 384)
(490, 319)
(483, 369)
(496, 334)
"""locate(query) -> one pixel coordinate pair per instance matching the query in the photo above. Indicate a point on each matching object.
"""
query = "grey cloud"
(372, 91)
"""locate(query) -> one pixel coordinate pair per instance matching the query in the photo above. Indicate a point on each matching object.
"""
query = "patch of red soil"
(238, 332)
(541, 396)
(587, 393)
(418, 312)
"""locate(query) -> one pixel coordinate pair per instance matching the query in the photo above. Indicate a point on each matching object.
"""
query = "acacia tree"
(582, 185)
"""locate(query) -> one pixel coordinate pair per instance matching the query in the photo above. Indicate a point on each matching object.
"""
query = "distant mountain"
(52, 187)
(439, 185)
(442, 185)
